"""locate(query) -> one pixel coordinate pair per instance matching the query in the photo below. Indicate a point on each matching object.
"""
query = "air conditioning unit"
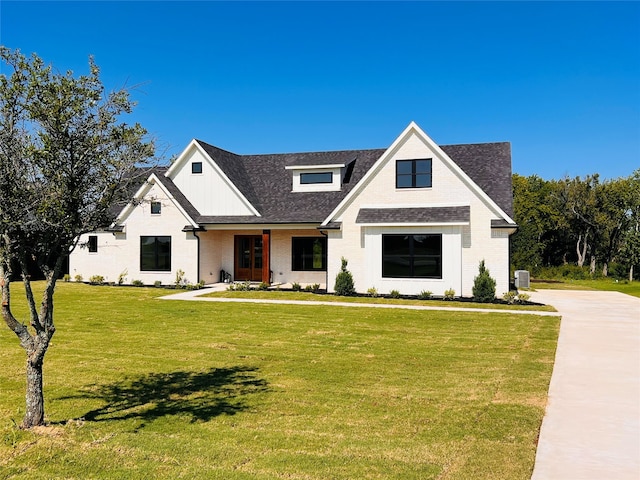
(522, 279)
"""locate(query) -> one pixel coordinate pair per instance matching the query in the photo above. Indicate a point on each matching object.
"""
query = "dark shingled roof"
(489, 166)
(265, 182)
(414, 215)
(267, 185)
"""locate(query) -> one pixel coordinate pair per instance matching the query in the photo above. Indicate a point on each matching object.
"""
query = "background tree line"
(584, 226)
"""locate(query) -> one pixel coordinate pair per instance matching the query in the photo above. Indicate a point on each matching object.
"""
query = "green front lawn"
(140, 388)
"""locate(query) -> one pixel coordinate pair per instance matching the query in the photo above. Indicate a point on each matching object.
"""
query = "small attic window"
(196, 167)
(316, 177)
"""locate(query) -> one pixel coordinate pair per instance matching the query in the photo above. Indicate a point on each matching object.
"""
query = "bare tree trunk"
(592, 267)
(605, 269)
(34, 414)
(631, 274)
(36, 344)
(582, 255)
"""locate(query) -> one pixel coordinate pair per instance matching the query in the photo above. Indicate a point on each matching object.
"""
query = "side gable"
(413, 139)
(218, 190)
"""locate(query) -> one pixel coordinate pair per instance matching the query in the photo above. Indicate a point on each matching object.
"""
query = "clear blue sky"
(560, 81)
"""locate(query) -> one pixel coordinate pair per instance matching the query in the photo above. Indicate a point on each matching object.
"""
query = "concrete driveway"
(591, 428)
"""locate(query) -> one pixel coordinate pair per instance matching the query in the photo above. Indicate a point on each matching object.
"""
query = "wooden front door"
(248, 258)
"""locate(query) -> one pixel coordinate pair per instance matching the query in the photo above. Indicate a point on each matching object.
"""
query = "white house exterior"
(414, 217)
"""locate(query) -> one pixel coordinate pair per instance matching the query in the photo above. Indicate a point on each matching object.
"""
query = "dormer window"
(318, 177)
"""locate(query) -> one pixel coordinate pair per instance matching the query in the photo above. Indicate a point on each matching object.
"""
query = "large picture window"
(155, 254)
(413, 173)
(412, 256)
(309, 253)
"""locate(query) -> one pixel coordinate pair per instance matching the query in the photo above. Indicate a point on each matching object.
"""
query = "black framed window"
(92, 244)
(309, 254)
(413, 173)
(319, 177)
(196, 167)
(412, 256)
(156, 208)
(155, 254)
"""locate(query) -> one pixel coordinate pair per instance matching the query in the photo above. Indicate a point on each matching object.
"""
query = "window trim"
(196, 170)
(295, 252)
(92, 244)
(414, 174)
(411, 255)
(156, 254)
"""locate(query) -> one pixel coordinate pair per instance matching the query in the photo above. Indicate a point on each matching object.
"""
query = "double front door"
(248, 258)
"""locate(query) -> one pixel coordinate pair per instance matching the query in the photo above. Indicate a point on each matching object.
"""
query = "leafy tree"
(344, 285)
(573, 219)
(484, 287)
(66, 159)
(629, 253)
(539, 239)
(580, 200)
(616, 206)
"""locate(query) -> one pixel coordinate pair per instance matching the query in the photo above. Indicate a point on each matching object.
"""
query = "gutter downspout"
(326, 274)
(195, 234)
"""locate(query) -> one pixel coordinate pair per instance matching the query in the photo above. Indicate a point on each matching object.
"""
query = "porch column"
(266, 256)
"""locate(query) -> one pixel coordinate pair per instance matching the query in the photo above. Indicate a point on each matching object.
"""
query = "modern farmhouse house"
(414, 217)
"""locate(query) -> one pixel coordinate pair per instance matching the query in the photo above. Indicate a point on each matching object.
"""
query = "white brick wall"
(120, 253)
(463, 247)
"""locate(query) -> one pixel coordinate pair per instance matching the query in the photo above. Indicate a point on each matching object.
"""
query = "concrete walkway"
(197, 296)
(591, 428)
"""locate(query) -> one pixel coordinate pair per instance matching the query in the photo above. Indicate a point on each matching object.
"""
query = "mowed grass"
(607, 284)
(141, 388)
(313, 297)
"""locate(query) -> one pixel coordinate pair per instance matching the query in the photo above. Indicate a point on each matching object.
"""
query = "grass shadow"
(198, 395)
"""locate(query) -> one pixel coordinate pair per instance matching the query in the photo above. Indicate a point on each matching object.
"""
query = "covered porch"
(278, 255)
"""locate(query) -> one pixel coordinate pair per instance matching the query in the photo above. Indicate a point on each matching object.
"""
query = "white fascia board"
(182, 158)
(509, 230)
(124, 213)
(372, 171)
(461, 173)
(414, 128)
(315, 167)
(260, 226)
(142, 191)
(417, 205)
(415, 224)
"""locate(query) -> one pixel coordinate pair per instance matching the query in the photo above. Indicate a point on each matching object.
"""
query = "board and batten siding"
(209, 192)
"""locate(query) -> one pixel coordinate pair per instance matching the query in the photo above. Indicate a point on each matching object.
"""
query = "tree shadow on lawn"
(199, 395)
